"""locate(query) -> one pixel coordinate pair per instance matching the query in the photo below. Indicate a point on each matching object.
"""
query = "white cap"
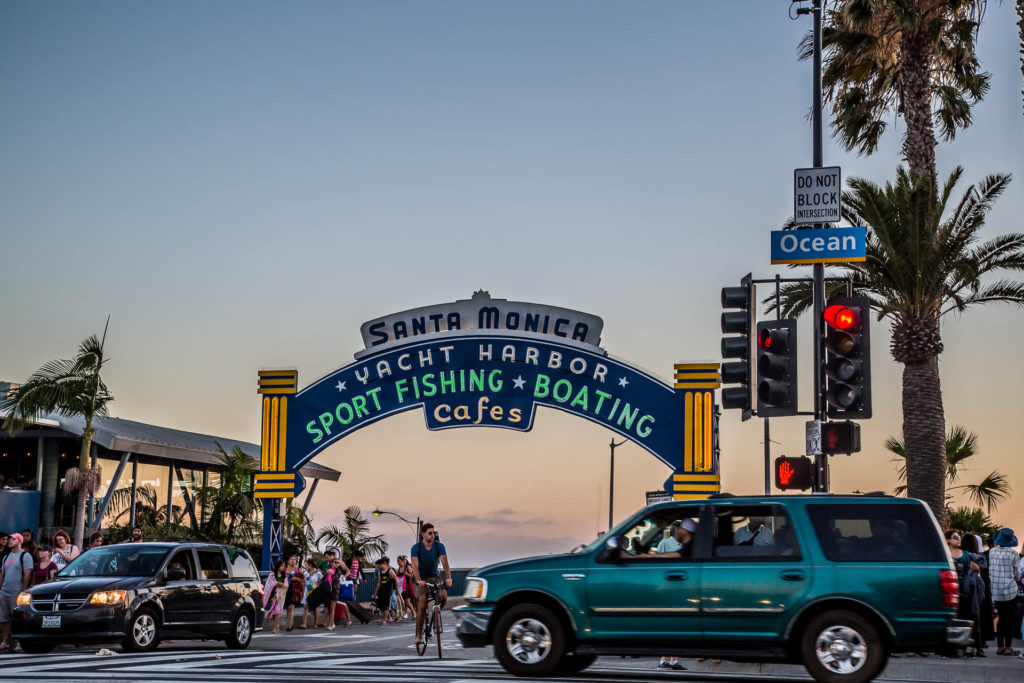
(689, 525)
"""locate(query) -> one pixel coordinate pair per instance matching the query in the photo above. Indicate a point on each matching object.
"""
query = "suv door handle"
(677, 576)
(792, 575)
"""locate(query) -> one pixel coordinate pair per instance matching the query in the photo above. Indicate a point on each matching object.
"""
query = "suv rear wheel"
(241, 631)
(528, 641)
(143, 631)
(840, 646)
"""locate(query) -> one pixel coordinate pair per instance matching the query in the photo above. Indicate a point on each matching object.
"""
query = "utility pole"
(611, 481)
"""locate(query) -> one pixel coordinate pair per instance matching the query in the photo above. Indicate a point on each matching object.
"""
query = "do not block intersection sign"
(816, 195)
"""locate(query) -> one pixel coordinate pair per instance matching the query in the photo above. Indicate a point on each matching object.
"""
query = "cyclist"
(425, 557)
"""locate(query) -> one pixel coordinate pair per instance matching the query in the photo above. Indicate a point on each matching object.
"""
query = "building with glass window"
(166, 464)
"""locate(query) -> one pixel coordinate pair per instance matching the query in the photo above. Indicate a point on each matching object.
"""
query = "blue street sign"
(824, 245)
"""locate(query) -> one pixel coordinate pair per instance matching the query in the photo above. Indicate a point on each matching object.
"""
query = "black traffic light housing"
(776, 368)
(840, 437)
(848, 357)
(794, 473)
(739, 324)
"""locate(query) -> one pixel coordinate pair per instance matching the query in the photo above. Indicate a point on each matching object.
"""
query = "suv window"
(876, 533)
(241, 564)
(645, 536)
(183, 559)
(761, 532)
(211, 563)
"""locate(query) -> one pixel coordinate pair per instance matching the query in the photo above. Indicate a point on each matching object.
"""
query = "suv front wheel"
(528, 641)
(241, 631)
(840, 646)
(143, 631)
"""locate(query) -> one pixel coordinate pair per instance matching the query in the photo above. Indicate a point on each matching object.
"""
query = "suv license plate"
(51, 622)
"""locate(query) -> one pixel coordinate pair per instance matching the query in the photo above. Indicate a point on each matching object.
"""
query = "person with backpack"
(426, 556)
(15, 576)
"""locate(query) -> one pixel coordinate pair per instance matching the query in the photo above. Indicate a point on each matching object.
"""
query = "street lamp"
(416, 529)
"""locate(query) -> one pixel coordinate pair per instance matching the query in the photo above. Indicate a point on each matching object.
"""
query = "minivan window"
(241, 564)
(876, 533)
(211, 564)
(115, 560)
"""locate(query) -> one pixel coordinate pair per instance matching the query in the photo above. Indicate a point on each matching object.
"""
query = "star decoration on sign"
(340, 385)
(623, 382)
(519, 382)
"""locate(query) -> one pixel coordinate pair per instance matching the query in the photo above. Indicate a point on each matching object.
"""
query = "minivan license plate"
(51, 622)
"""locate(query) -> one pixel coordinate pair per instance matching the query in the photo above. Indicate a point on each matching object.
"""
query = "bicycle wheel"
(421, 647)
(437, 629)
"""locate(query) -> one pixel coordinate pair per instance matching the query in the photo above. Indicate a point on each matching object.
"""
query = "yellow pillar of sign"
(274, 480)
(699, 476)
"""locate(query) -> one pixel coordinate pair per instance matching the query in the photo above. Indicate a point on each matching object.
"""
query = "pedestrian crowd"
(325, 591)
(991, 577)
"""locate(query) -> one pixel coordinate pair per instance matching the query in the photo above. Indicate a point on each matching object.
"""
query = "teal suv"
(836, 583)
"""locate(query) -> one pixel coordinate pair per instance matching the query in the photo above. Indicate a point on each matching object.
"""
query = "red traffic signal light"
(794, 473)
(772, 341)
(841, 317)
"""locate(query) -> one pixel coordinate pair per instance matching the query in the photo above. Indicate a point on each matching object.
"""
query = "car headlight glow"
(476, 589)
(107, 598)
(24, 599)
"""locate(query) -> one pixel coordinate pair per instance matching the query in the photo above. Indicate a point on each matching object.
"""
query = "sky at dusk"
(241, 185)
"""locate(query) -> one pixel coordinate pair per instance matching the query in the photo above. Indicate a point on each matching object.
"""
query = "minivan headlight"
(24, 599)
(107, 598)
(476, 589)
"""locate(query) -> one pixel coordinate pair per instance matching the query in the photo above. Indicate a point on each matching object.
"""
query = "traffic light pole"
(820, 460)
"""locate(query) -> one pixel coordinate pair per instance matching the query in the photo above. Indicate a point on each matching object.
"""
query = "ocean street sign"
(821, 245)
(816, 195)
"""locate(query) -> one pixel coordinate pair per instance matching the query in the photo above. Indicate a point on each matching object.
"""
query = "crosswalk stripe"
(252, 659)
(70, 661)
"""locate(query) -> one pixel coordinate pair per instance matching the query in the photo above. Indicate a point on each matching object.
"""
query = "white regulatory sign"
(816, 195)
(813, 432)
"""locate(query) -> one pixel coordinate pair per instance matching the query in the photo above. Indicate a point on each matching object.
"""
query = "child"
(273, 594)
(386, 584)
(313, 577)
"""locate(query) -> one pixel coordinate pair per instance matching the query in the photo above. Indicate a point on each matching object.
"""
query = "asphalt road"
(386, 653)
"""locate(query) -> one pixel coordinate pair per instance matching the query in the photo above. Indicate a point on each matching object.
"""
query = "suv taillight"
(950, 588)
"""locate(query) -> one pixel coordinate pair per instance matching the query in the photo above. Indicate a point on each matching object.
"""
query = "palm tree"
(961, 445)
(912, 58)
(922, 265)
(297, 529)
(972, 521)
(230, 508)
(353, 535)
(70, 388)
(149, 513)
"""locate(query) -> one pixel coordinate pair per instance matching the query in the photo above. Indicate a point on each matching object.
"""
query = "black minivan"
(139, 593)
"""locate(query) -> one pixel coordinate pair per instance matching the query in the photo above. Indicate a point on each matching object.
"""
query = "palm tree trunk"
(916, 102)
(1020, 35)
(83, 490)
(924, 429)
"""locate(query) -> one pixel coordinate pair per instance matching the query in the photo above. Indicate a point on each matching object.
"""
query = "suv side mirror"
(612, 550)
(175, 574)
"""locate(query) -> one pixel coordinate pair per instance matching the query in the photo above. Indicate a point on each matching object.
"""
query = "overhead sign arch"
(487, 362)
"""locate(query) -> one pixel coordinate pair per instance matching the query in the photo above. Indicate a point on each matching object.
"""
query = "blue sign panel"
(488, 381)
(824, 245)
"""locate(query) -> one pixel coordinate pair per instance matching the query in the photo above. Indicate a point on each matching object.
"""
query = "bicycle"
(431, 621)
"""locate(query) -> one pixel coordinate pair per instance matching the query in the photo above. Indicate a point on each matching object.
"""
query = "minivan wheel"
(241, 631)
(842, 646)
(143, 631)
(528, 641)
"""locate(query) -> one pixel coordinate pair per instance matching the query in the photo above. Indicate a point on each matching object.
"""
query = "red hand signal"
(785, 473)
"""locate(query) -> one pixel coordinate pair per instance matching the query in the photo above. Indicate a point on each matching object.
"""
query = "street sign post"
(817, 195)
(812, 431)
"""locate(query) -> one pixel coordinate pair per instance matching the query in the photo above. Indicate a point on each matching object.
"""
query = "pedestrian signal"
(840, 437)
(794, 473)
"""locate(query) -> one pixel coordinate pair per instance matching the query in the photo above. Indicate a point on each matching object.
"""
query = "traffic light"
(776, 368)
(848, 357)
(794, 473)
(840, 437)
(738, 324)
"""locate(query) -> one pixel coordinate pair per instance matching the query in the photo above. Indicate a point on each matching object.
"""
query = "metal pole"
(820, 412)
(135, 485)
(767, 460)
(611, 481)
